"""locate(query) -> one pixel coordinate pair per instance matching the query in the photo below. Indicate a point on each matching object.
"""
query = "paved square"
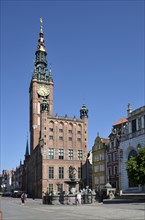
(33, 209)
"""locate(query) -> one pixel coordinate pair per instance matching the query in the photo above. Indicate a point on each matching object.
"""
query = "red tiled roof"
(120, 121)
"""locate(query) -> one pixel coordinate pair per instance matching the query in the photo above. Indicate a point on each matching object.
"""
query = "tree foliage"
(136, 167)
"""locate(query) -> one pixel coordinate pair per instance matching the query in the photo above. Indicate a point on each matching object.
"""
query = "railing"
(133, 135)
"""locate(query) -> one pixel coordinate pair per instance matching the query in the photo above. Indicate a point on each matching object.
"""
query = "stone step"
(126, 198)
(113, 201)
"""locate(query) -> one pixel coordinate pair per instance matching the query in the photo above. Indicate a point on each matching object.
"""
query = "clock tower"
(41, 88)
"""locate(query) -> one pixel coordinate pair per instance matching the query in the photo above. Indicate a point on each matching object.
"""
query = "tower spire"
(27, 148)
(41, 46)
(40, 69)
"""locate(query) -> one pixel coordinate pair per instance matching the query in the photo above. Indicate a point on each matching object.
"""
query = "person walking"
(23, 198)
(79, 198)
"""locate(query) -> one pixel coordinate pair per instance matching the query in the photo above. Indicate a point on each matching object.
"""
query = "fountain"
(72, 182)
(69, 198)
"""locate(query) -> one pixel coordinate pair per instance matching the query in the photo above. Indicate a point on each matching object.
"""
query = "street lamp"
(120, 171)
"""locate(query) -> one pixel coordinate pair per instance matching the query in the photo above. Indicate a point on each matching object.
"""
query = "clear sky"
(96, 51)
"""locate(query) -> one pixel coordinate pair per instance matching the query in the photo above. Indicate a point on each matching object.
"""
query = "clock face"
(43, 90)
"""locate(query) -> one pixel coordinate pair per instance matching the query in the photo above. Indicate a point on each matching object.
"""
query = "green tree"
(136, 167)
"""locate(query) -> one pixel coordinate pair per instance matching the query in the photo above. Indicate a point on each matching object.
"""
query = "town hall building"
(57, 143)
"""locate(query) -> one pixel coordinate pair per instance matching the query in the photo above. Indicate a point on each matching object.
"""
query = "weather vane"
(41, 24)
(41, 20)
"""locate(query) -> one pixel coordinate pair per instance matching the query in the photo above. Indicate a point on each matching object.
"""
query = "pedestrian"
(79, 198)
(23, 198)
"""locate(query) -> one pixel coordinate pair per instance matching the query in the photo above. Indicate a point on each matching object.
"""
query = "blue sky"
(96, 50)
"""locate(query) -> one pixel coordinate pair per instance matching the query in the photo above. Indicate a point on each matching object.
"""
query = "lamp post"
(41, 143)
(120, 161)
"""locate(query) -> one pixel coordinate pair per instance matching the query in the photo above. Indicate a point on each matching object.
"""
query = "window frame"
(51, 173)
(61, 154)
(51, 153)
(70, 154)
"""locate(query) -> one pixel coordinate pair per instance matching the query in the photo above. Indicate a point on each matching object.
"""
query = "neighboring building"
(6, 180)
(0, 182)
(114, 154)
(56, 142)
(26, 168)
(99, 150)
(17, 178)
(132, 140)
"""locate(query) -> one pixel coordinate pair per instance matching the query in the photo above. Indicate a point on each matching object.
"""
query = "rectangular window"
(50, 137)
(51, 129)
(70, 154)
(109, 158)
(60, 187)
(80, 155)
(139, 124)
(109, 171)
(51, 153)
(50, 188)
(133, 125)
(96, 180)
(51, 172)
(101, 156)
(60, 130)
(115, 156)
(70, 138)
(102, 168)
(95, 158)
(102, 181)
(116, 170)
(61, 154)
(96, 169)
(61, 172)
(112, 144)
(79, 132)
(60, 138)
(70, 131)
(79, 172)
(79, 139)
(98, 147)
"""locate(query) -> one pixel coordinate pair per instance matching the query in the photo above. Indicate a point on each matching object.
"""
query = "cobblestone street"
(33, 209)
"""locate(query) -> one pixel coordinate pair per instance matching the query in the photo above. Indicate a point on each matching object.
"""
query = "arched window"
(132, 153)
